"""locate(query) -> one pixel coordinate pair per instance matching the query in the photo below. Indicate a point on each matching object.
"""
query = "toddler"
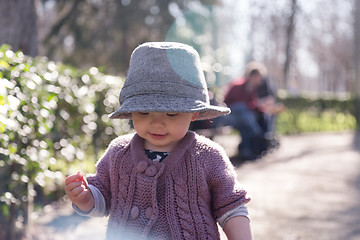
(164, 181)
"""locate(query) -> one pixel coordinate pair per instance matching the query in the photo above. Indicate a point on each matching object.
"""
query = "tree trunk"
(290, 36)
(18, 29)
(357, 69)
(18, 25)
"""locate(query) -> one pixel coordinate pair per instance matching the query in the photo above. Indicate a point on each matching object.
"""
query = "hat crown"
(165, 68)
(166, 77)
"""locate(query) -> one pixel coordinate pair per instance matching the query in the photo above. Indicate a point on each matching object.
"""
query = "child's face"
(162, 131)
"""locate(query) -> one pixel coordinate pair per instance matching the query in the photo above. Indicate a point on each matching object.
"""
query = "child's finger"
(85, 182)
(80, 174)
(71, 186)
(84, 194)
(82, 178)
(72, 178)
(74, 188)
(76, 191)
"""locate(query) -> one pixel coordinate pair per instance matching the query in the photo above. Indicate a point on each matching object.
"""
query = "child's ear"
(194, 116)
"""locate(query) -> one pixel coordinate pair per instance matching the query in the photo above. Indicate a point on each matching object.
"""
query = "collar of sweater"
(171, 161)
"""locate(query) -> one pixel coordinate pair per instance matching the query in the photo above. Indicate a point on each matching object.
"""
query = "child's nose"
(157, 118)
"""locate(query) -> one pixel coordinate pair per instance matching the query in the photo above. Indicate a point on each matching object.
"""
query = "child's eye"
(172, 114)
(144, 113)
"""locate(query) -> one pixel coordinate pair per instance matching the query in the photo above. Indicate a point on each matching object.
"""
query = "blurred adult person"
(249, 113)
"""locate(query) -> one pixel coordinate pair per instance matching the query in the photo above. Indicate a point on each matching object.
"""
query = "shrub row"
(52, 116)
(305, 114)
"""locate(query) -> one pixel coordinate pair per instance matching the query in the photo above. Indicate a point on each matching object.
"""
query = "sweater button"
(149, 212)
(118, 212)
(151, 171)
(141, 166)
(134, 212)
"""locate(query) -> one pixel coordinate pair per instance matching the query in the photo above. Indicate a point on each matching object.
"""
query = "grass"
(291, 122)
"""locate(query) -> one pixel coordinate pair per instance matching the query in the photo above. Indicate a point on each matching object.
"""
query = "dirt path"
(308, 189)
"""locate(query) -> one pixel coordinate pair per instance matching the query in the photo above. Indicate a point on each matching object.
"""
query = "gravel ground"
(308, 189)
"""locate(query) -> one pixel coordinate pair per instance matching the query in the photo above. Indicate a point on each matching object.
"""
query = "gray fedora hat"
(166, 77)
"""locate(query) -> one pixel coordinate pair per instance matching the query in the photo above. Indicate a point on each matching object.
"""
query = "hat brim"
(160, 103)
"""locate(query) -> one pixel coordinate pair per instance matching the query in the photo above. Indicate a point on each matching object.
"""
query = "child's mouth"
(158, 136)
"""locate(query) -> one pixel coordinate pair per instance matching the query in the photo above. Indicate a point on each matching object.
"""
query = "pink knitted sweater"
(178, 198)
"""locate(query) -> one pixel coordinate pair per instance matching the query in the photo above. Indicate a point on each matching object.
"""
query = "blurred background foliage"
(111, 28)
(53, 121)
(54, 109)
(308, 114)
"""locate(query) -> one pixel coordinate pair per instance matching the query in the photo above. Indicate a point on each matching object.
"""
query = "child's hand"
(77, 189)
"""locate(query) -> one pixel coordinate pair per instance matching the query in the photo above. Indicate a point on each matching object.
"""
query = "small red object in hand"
(81, 178)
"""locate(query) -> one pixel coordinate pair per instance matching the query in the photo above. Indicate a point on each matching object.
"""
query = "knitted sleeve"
(102, 180)
(226, 192)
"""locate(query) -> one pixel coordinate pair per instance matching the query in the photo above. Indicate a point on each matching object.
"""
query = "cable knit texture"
(178, 198)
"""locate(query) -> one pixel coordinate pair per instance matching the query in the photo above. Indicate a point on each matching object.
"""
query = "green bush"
(316, 115)
(52, 117)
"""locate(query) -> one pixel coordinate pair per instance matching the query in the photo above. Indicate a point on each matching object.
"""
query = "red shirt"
(239, 91)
